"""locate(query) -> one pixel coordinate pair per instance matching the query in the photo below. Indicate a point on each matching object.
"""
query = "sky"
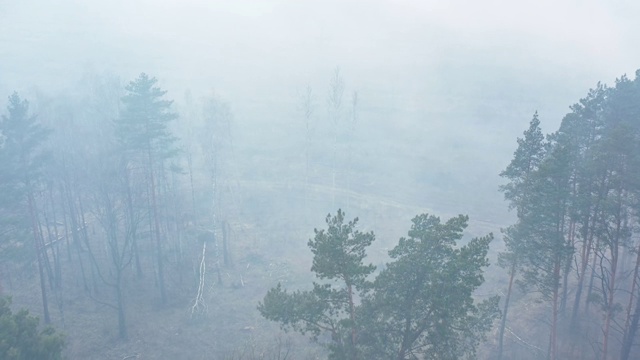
(447, 73)
(407, 46)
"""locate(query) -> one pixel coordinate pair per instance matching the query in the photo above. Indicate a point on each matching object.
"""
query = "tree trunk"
(609, 308)
(122, 321)
(76, 238)
(134, 235)
(586, 253)
(85, 236)
(503, 322)
(627, 341)
(592, 276)
(631, 334)
(65, 222)
(611, 291)
(156, 223)
(55, 249)
(45, 253)
(352, 315)
(567, 267)
(36, 242)
(553, 348)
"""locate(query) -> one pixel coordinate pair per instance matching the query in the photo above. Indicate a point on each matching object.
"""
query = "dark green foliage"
(21, 340)
(518, 191)
(526, 159)
(543, 225)
(143, 123)
(23, 161)
(339, 252)
(420, 305)
(20, 155)
(578, 214)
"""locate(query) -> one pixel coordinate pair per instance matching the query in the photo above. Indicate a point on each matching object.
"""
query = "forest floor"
(272, 223)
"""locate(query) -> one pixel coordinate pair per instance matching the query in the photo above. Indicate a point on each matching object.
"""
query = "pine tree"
(421, 305)
(543, 226)
(330, 307)
(583, 128)
(23, 160)
(144, 136)
(526, 160)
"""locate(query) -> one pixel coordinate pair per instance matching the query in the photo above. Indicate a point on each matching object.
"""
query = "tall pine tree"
(23, 160)
(145, 139)
(526, 160)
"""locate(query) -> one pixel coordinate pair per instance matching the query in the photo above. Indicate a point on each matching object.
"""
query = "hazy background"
(444, 86)
(444, 89)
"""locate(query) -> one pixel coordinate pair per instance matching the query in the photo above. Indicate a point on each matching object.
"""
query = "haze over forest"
(462, 76)
(433, 96)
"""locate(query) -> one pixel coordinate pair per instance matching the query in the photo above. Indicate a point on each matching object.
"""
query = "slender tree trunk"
(53, 277)
(136, 254)
(628, 332)
(156, 223)
(503, 322)
(45, 252)
(85, 235)
(609, 305)
(553, 348)
(57, 266)
(404, 346)
(586, 253)
(567, 268)
(36, 242)
(177, 224)
(122, 321)
(631, 334)
(134, 235)
(614, 249)
(352, 313)
(55, 249)
(65, 222)
(602, 196)
(592, 276)
(76, 238)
